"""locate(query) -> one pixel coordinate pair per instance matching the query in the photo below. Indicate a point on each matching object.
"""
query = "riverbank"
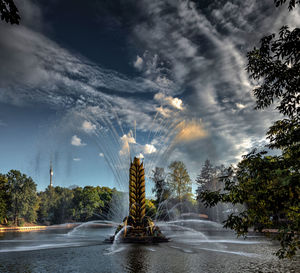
(32, 227)
(22, 229)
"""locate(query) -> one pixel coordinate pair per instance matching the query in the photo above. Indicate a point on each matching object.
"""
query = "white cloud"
(240, 105)
(126, 140)
(101, 154)
(166, 112)
(76, 141)
(76, 159)
(138, 64)
(174, 102)
(149, 149)
(88, 127)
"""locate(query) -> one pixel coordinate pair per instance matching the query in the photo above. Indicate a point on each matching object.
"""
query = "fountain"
(137, 227)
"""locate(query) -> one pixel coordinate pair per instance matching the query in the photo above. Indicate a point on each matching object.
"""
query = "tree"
(22, 191)
(208, 180)
(9, 12)
(4, 198)
(150, 208)
(269, 185)
(179, 180)
(161, 191)
(87, 203)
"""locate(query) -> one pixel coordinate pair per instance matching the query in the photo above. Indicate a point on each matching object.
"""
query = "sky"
(88, 86)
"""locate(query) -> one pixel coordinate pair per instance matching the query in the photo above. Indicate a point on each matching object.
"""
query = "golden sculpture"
(137, 227)
(137, 198)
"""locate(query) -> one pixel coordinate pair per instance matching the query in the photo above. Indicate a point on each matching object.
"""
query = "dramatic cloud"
(76, 141)
(174, 102)
(126, 140)
(149, 149)
(166, 112)
(190, 131)
(138, 64)
(191, 64)
(88, 127)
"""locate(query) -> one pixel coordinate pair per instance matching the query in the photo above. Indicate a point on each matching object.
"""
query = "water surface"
(195, 246)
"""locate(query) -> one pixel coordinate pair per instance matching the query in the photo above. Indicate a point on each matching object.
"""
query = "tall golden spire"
(137, 198)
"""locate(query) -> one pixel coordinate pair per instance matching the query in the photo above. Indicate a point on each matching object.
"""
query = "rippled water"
(195, 246)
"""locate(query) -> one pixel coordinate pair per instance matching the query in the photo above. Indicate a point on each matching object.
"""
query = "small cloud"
(240, 106)
(174, 102)
(76, 159)
(76, 141)
(88, 127)
(164, 111)
(126, 140)
(101, 154)
(149, 149)
(190, 131)
(138, 64)
(140, 156)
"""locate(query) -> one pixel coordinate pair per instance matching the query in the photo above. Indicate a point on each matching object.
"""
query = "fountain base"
(132, 232)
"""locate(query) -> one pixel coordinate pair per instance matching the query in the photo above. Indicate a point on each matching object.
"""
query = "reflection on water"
(195, 246)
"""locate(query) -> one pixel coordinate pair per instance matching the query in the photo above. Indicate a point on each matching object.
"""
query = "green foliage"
(87, 202)
(23, 197)
(271, 194)
(19, 202)
(179, 180)
(9, 12)
(277, 63)
(150, 208)
(4, 198)
(269, 186)
(161, 191)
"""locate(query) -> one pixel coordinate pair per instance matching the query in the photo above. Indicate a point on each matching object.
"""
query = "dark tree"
(269, 186)
(4, 198)
(161, 190)
(9, 12)
(292, 3)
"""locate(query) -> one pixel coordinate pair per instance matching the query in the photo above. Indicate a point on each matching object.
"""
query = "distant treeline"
(20, 202)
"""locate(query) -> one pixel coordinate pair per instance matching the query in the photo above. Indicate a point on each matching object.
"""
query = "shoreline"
(41, 228)
(22, 229)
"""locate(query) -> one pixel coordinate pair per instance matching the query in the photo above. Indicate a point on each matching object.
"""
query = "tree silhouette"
(9, 12)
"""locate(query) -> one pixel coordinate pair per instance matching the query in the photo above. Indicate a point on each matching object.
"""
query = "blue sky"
(89, 85)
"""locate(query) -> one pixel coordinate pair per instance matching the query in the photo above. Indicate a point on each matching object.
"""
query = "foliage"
(23, 197)
(150, 208)
(179, 180)
(162, 192)
(292, 3)
(208, 180)
(277, 63)
(87, 202)
(9, 12)
(4, 198)
(269, 185)
(271, 194)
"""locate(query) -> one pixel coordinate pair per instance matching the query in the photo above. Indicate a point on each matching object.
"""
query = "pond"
(195, 246)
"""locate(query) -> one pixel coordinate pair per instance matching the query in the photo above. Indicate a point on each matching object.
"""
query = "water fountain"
(137, 227)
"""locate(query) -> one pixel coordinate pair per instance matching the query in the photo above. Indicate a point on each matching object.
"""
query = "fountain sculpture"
(137, 227)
